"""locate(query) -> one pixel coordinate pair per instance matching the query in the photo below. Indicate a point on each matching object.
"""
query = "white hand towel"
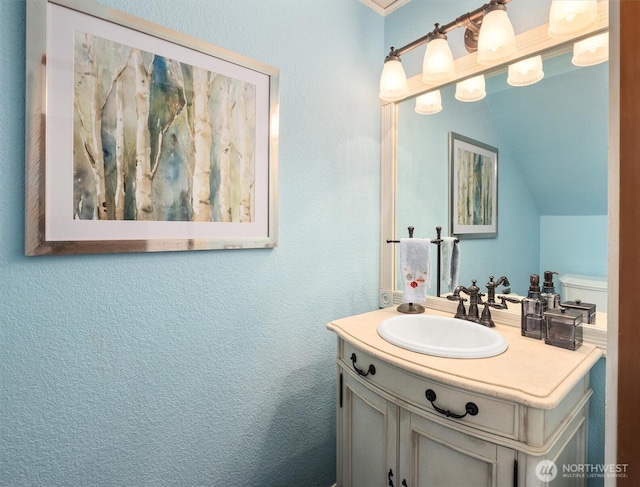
(416, 273)
(450, 262)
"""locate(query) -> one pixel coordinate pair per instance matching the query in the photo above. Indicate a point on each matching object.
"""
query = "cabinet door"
(432, 455)
(369, 436)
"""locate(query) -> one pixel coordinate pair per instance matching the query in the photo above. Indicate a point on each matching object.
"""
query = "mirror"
(568, 210)
(552, 140)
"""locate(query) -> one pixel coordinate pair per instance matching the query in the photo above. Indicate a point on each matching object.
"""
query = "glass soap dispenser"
(549, 293)
(533, 308)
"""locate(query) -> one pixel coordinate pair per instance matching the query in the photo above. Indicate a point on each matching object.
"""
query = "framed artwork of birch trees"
(142, 139)
(473, 189)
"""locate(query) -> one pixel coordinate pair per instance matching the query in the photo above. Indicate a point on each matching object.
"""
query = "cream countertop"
(528, 372)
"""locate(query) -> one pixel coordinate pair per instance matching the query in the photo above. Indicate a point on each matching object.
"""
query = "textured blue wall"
(201, 368)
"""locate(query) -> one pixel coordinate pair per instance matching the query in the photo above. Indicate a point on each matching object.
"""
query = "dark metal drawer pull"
(470, 407)
(404, 481)
(371, 370)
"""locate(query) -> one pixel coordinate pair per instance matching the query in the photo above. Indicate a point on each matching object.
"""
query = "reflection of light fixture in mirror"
(437, 66)
(497, 40)
(593, 50)
(471, 89)
(393, 82)
(570, 17)
(526, 72)
(429, 103)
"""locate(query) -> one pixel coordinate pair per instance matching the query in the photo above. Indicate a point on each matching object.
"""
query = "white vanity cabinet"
(391, 434)
(382, 443)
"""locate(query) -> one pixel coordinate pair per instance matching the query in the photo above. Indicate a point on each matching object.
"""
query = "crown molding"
(384, 7)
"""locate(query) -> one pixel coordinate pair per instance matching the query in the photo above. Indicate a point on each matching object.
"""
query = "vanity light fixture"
(393, 82)
(429, 103)
(593, 50)
(568, 18)
(497, 40)
(437, 66)
(471, 89)
(488, 31)
(526, 72)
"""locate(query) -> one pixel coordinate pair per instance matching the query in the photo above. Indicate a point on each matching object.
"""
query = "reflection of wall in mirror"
(552, 190)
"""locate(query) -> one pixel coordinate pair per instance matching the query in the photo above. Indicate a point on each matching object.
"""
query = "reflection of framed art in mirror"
(473, 188)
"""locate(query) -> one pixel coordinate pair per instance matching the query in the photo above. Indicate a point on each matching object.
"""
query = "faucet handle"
(461, 311)
(511, 300)
(454, 297)
(503, 301)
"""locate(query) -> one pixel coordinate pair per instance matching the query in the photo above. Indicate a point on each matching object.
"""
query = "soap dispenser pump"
(549, 293)
(533, 308)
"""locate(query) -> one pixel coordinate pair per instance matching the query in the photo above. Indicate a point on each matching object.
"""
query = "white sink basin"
(442, 336)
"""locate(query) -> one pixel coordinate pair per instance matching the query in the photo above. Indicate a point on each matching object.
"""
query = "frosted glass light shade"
(471, 89)
(437, 66)
(393, 82)
(429, 103)
(526, 72)
(496, 40)
(593, 50)
(570, 17)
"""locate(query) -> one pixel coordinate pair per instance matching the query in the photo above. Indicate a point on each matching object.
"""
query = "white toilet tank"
(585, 288)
